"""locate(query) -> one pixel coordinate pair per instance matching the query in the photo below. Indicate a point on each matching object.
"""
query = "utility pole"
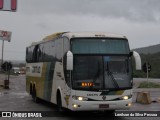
(7, 5)
(147, 68)
(147, 74)
(4, 36)
(2, 50)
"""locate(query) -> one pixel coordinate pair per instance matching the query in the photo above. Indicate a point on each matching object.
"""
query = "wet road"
(16, 99)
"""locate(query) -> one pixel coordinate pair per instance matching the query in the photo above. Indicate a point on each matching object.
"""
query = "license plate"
(104, 106)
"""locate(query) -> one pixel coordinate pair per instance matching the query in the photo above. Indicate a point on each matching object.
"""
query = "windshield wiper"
(97, 75)
(112, 77)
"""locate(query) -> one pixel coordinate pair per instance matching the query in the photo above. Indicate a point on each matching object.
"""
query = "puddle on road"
(17, 95)
(21, 96)
(3, 93)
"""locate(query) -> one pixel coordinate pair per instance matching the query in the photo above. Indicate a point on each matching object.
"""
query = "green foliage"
(154, 61)
(149, 85)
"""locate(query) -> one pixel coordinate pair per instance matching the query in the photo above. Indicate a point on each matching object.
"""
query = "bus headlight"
(75, 105)
(80, 98)
(129, 104)
(126, 97)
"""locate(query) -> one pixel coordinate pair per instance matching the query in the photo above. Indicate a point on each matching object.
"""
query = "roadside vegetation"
(154, 61)
(149, 85)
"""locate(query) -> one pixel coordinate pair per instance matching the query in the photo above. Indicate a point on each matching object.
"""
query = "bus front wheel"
(30, 89)
(59, 103)
(34, 95)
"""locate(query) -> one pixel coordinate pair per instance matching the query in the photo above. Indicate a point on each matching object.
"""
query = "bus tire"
(59, 103)
(34, 95)
(31, 89)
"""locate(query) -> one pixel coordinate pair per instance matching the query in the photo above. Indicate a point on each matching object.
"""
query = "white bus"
(82, 71)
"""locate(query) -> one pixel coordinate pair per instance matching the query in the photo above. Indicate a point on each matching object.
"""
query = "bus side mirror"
(69, 65)
(137, 60)
(131, 54)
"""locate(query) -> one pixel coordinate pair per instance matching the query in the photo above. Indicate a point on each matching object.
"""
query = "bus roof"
(92, 34)
(78, 35)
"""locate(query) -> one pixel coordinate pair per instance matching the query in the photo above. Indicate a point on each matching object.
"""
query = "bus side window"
(35, 54)
(41, 53)
(58, 44)
(66, 46)
(29, 52)
(27, 55)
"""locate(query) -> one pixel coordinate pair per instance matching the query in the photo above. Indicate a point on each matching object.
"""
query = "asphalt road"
(16, 99)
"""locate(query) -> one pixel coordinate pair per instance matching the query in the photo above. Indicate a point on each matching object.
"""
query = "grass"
(149, 85)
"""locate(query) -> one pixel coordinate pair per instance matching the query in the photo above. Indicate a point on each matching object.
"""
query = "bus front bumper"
(100, 105)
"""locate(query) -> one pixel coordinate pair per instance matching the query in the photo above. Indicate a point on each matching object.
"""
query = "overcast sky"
(139, 20)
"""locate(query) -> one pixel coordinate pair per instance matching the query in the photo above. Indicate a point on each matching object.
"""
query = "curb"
(146, 90)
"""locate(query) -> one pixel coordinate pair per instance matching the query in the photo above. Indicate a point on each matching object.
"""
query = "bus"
(82, 71)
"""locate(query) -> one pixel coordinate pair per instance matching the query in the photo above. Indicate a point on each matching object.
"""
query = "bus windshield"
(96, 69)
(100, 46)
